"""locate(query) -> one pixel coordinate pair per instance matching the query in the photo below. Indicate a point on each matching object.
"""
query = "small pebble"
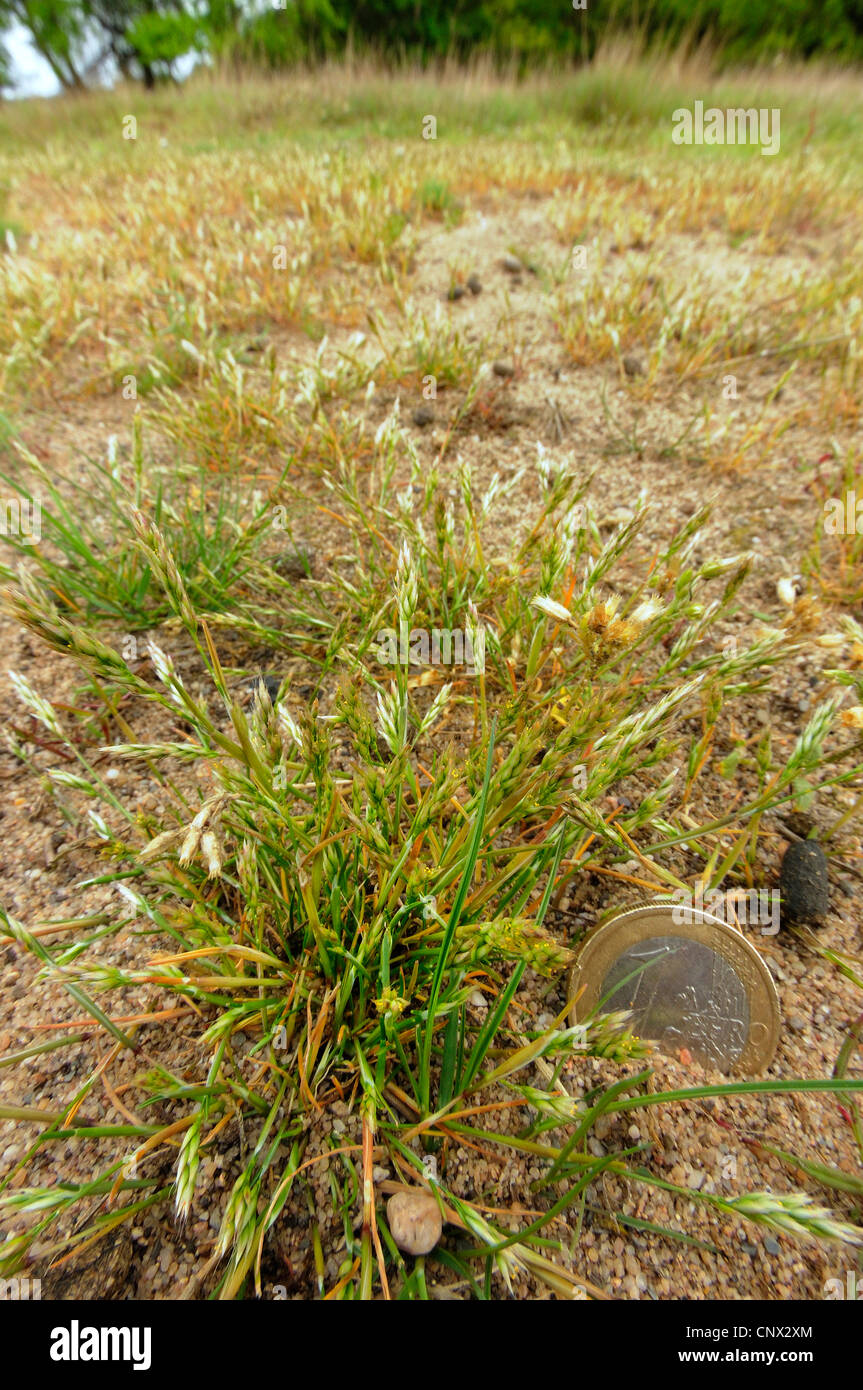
(474, 283)
(414, 1220)
(503, 368)
(771, 1245)
(633, 365)
(457, 292)
(803, 882)
(422, 416)
(512, 264)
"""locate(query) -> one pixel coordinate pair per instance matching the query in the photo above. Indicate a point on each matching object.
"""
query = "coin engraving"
(702, 986)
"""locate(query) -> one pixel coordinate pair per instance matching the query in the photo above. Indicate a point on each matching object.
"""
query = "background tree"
(56, 29)
(144, 39)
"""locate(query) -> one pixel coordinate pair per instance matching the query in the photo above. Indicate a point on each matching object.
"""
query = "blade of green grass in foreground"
(444, 950)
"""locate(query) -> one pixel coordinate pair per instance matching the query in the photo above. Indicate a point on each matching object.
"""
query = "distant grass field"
(125, 224)
(622, 88)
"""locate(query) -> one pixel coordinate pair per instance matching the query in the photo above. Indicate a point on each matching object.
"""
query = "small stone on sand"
(414, 1220)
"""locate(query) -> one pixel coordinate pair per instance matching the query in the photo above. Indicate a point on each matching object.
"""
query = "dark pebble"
(512, 264)
(423, 416)
(503, 369)
(803, 882)
(474, 283)
(457, 292)
(632, 365)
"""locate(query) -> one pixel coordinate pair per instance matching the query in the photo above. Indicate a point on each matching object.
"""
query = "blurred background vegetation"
(86, 41)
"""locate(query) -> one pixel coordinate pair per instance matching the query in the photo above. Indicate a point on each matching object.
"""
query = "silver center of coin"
(682, 994)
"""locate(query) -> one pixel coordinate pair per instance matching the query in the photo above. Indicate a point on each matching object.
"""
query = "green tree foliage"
(757, 29)
(303, 29)
(143, 38)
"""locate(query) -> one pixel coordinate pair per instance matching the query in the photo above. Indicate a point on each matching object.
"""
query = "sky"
(31, 74)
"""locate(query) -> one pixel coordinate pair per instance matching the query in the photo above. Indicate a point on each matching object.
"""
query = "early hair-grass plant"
(352, 876)
(217, 532)
(835, 559)
(433, 348)
(435, 198)
(702, 325)
(230, 423)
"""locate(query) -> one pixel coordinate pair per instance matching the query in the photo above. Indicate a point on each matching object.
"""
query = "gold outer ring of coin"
(610, 940)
